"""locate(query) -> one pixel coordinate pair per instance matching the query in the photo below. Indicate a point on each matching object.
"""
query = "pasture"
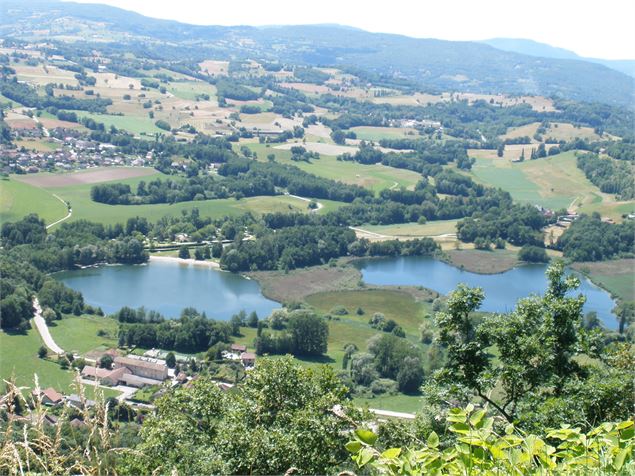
(79, 334)
(17, 199)
(374, 177)
(414, 230)
(616, 276)
(554, 182)
(378, 133)
(135, 124)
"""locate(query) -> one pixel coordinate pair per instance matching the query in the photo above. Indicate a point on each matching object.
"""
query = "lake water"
(168, 288)
(501, 290)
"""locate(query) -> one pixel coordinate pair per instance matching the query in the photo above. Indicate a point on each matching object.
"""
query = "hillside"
(433, 65)
(534, 48)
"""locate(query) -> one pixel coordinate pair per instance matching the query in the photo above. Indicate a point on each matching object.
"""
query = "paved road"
(319, 205)
(43, 329)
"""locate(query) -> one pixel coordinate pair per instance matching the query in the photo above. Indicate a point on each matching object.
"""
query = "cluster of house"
(72, 153)
(129, 371)
(239, 352)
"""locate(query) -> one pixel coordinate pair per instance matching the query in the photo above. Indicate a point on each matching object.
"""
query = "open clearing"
(45, 180)
(414, 230)
(79, 334)
(320, 148)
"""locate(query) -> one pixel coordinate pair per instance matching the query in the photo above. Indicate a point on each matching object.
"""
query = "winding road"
(43, 329)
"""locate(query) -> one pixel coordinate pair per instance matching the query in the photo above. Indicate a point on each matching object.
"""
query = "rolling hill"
(432, 65)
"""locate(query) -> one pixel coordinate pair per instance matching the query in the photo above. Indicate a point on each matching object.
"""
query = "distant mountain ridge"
(535, 48)
(434, 65)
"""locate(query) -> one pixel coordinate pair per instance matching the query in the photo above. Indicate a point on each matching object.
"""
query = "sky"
(590, 28)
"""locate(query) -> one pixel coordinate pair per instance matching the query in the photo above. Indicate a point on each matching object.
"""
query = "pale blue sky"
(602, 29)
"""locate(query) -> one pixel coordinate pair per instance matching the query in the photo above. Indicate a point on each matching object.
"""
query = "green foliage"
(283, 415)
(480, 448)
(533, 254)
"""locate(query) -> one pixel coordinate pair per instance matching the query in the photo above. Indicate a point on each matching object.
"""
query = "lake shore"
(481, 261)
(189, 261)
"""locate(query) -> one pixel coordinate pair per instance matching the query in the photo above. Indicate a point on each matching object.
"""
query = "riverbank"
(189, 261)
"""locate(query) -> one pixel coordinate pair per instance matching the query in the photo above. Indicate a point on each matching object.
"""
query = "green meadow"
(374, 177)
(18, 199)
(137, 124)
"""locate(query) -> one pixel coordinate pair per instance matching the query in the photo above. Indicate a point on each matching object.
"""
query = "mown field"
(378, 133)
(79, 334)
(374, 177)
(414, 230)
(554, 182)
(136, 124)
(18, 199)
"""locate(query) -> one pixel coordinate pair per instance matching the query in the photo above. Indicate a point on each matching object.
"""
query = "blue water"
(168, 288)
(501, 290)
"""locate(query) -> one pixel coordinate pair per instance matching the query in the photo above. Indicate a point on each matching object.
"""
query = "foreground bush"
(478, 449)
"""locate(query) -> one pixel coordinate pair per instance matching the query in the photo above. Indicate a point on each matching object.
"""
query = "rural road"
(43, 329)
(70, 213)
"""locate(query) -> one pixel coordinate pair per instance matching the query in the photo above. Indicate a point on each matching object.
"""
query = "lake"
(501, 290)
(168, 288)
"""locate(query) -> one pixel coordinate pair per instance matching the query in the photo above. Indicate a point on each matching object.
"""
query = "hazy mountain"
(534, 48)
(434, 65)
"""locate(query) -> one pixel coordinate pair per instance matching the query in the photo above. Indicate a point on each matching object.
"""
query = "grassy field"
(432, 228)
(396, 403)
(135, 124)
(378, 133)
(79, 334)
(19, 358)
(481, 261)
(190, 89)
(554, 182)
(616, 276)
(18, 199)
(374, 177)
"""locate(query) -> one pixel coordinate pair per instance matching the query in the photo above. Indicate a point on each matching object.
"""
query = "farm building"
(50, 396)
(143, 368)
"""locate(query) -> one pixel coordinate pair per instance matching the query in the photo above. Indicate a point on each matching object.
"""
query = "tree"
(105, 362)
(309, 333)
(625, 313)
(42, 352)
(49, 315)
(410, 377)
(500, 150)
(259, 428)
(170, 360)
(198, 254)
(184, 252)
(252, 320)
(533, 254)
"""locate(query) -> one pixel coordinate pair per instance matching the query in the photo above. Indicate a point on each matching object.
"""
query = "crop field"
(554, 182)
(521, 131)
(378, 133)
(91, 176)
(375, 177)
(38, 145)
(18, 199)
(20, 359)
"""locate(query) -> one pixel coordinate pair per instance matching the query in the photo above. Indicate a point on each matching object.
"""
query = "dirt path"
(70, 213)
(43, 329)
(304, 199)
(388, 413)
